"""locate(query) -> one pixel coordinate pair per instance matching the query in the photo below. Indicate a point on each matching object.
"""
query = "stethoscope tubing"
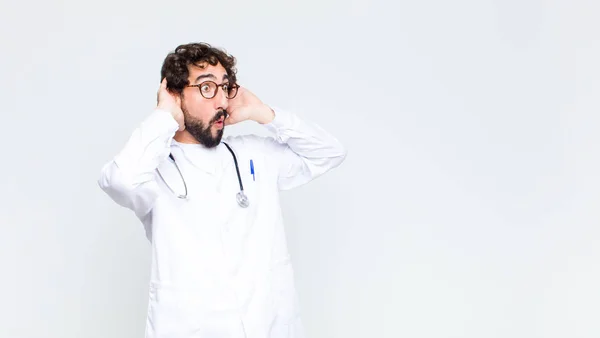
(241, 198)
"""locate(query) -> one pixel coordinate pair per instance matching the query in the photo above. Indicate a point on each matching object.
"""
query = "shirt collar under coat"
(210, 160)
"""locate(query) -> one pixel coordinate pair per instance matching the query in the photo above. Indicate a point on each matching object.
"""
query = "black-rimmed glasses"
(208, 89)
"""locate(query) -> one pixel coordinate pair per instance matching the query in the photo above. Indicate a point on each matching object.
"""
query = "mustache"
(221, 113)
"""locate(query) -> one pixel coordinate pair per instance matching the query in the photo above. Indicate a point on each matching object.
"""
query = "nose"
(221, 98)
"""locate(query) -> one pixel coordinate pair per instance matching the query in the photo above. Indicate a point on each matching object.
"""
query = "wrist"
(165, 108)
(265, 114)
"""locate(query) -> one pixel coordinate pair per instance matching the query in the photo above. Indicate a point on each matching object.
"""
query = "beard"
(201, 132)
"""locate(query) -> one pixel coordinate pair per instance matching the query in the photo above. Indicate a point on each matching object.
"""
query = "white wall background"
(468, 205)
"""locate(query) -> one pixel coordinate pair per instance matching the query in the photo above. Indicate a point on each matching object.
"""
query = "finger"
(160, 88)
(228, 120)
(163, 85)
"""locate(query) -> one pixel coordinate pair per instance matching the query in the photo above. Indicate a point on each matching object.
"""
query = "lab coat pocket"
(162, 319)
(252, 172)
(251, 188)
(284, 296)
(232, 211)
(171, 312)
(202, 310)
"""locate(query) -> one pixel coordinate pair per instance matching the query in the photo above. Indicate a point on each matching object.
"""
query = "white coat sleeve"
(129, 178)
(304, 151)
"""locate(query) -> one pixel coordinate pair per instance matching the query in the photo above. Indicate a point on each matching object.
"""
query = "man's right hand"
(170, 102)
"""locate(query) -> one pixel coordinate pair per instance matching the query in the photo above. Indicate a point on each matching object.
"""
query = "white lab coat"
(218, 270)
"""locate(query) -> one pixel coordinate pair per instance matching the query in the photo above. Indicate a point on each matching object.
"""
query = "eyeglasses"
(208, 89)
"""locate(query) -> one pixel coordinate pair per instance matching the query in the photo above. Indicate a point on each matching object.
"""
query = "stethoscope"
(240, 197)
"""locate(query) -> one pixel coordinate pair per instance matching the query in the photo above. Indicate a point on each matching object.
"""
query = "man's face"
(204, 116)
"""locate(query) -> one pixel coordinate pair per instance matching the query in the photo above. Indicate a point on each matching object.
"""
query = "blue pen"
(252, 170)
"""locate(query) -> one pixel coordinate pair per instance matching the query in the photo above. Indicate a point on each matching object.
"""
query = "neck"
(185, 137)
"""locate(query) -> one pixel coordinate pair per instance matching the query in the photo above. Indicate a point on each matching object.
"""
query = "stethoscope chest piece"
(242, 199)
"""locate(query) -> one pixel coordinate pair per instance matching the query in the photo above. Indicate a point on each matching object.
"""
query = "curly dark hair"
(175, 65)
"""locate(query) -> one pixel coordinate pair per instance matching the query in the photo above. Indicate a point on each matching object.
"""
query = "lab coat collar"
(209, 160)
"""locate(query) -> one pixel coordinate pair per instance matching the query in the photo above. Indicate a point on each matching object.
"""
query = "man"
(220, 264)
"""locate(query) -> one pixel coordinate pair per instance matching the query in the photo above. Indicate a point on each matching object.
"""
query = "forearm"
(147, 146)
(307, 150)
(123, 178)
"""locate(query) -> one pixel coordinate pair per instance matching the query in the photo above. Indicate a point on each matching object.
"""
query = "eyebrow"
(210, 76)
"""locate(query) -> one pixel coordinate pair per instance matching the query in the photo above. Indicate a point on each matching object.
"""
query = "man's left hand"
(246, 106)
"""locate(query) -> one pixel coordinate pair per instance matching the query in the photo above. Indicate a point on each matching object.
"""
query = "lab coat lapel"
(227, 190)
(207, 160)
